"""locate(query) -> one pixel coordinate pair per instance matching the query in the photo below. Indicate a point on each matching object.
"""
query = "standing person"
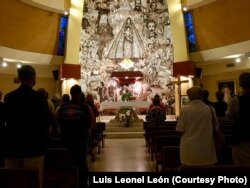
(75, 122)
(53, 127)
(90, 101)
(239, 110)
(102, 91)
(196, 130)
(128, 39)
(220, 107)
(27, 124)
(205, 95)
(156, 114)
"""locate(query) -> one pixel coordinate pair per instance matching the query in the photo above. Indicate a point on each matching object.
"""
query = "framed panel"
(184, 100)
(227, 86)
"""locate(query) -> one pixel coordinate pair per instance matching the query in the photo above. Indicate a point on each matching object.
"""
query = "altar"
(118, 104)
(121, 107)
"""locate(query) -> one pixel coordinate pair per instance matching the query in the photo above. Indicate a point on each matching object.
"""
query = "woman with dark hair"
(156, 114)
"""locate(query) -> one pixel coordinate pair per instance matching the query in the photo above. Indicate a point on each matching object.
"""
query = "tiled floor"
(123, 155)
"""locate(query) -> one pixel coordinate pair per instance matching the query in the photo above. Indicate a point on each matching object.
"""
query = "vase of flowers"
(125, 116)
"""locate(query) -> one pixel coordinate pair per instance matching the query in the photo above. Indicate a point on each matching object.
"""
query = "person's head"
(152, 35)
(27, 75)
(219, 95)
(168, 41)
(153, 6)
(194, 92)
(89, 99)
(43, 92)
(244, 80)
(137, 5)
(65, 98)
(98, 5)
(156, 100)
(151, 25)
(76, 92)
(128, 21)
(205, 94)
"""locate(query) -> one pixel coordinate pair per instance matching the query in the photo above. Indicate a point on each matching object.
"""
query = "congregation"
(31, 123)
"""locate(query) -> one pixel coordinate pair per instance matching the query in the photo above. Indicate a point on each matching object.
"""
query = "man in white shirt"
(196, 130)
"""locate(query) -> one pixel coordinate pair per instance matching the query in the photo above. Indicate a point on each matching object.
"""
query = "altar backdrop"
(126, 35)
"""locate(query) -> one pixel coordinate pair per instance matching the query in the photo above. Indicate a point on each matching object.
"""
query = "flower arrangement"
(125, 116)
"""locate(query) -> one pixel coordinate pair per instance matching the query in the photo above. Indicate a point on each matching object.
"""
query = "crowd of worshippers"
(156, 113)
(198, 121)
(30, 121)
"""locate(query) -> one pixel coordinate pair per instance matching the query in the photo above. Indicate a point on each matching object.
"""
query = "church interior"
(112, 48)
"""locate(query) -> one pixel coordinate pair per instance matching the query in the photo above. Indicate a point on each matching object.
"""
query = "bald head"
(194, 92)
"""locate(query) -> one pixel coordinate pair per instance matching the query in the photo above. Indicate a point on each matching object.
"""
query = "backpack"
(74, 122)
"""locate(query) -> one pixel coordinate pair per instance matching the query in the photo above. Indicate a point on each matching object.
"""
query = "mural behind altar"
(126, 35)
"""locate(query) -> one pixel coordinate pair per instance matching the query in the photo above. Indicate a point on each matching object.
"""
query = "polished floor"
(123, 155)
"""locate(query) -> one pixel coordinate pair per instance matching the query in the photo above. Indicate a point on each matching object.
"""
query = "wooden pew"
(169, 125)
(19, 178)
(154, 134)
(215, 169)
(170, 159)
(58, 168)
(160, 142)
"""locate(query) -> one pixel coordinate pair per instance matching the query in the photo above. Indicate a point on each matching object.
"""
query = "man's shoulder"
(10, 95)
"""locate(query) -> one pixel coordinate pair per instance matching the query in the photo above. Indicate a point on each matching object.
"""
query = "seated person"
(156, 115)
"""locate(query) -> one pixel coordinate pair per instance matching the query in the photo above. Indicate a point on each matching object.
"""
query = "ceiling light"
(184, 8)
(233, 56)
(4, 64)
(238, 60)
(66, 12)
(18, 66)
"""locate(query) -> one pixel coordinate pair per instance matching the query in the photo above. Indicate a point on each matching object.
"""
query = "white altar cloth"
(119, 104)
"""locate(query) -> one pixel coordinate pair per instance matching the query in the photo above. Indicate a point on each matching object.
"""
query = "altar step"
(113, 131)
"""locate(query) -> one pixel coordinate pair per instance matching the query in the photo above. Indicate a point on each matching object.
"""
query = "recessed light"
(4, 64)
(238, 60)
(66, 12)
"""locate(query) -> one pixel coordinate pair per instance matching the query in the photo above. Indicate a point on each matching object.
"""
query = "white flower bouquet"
(125, 116)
